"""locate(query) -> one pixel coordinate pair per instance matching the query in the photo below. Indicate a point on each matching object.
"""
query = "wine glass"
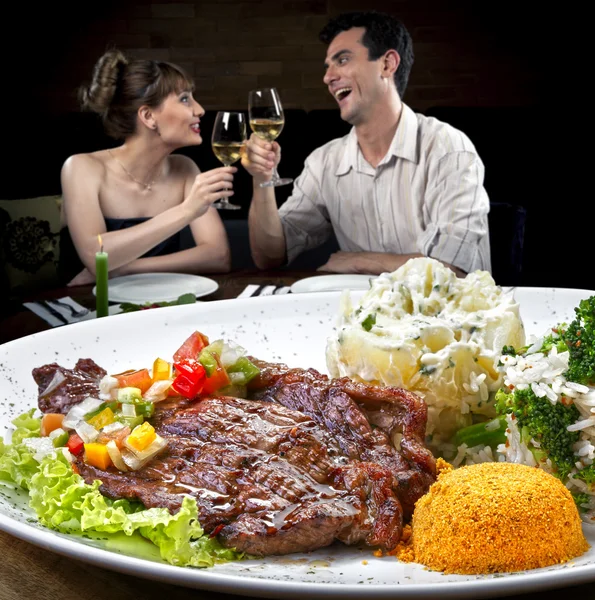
(229, 135)
(266, 121)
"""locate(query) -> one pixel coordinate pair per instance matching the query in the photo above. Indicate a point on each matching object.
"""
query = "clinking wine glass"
(229, 135)
(266, 121)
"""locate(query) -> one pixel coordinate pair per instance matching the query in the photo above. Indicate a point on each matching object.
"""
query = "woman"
(142, 199)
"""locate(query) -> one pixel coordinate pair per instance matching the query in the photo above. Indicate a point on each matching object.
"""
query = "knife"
(53, 312)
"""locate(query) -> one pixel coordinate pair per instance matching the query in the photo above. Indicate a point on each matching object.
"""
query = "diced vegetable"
(112, 404)
(107, 386)
(50, 422)
(131, 422)
(141, 437)
(100, 420)
(136, 460)
(190, 378)
(145, 409)
(97, 455)
(216, 381)
(158, 391)
(78, 411)
(140, 379)
(75, 444)
(246, 367)
(230, 353)
(191, 347)
(112, 428)
(161, 370)
(87, 432)
(129, 410)
(116, 455)
(130, 395)
(208, 360)
(118, 436)
(59, 437)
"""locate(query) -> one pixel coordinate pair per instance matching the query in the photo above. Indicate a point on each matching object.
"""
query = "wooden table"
(33, 573)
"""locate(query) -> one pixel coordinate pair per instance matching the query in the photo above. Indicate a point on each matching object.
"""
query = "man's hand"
(260, 158)
(372, 263)
(351, 262)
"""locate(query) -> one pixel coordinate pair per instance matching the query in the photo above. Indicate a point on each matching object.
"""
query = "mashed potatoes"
(426, 330)
(496, 517)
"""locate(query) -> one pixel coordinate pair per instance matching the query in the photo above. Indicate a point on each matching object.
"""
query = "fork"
(76, 314)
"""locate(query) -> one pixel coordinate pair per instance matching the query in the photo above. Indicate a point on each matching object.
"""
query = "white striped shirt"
(425, 196)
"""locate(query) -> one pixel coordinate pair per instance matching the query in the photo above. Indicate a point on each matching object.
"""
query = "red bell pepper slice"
(75, 444)
(190, 378)
(191, 347)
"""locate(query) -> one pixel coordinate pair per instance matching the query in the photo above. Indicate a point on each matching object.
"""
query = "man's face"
(354, 81)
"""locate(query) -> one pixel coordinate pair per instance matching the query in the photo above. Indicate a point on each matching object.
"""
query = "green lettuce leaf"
(64, 502)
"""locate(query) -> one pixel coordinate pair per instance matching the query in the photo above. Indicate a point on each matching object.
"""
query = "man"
(399, 185)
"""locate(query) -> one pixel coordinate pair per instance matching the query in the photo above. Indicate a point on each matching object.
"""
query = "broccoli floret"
(549, 341)
(587, 475)
(580, 499)
(546, 423)
(580, 339)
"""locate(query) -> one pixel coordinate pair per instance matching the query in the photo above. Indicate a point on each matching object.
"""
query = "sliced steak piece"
(267, 479)
(364, 419)
(61, 388)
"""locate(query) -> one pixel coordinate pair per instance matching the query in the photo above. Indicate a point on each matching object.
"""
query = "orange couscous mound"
(494, 517)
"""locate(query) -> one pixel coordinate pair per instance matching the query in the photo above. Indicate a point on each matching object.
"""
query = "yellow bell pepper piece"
(97, 455)
(100, 420)
(142, 436)
(161, 370)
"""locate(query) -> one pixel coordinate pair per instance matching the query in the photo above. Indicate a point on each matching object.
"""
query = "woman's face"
(178, 119)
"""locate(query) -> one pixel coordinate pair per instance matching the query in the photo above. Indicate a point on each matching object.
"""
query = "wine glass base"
(276, 182)
(226, 206)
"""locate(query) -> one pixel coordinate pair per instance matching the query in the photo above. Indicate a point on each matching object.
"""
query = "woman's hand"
(260, 158)
(207, 188)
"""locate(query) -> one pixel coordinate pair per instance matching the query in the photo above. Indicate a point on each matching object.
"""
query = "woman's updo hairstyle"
(121, 86)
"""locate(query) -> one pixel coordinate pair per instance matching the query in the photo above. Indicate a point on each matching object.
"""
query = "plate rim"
(213, 286)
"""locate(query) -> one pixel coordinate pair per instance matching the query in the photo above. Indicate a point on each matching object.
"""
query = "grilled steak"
(60, 388)
(302, 462)
(364, 419)
(266, 478)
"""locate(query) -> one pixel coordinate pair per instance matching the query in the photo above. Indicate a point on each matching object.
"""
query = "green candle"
(101, 303)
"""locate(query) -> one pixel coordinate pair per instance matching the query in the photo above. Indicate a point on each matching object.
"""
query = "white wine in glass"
(229, 135)
(266, 121)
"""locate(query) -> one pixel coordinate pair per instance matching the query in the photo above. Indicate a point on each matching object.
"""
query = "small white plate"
(158, 287)
(332, 283)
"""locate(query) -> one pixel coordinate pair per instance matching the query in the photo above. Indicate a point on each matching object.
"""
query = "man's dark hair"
(383, 32)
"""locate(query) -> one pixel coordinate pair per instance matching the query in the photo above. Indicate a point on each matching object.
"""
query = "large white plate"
(332, 283)
(157, 287)
(288, 328)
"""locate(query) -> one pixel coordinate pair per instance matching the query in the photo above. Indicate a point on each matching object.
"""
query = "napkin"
(264, 290)
(41, 311)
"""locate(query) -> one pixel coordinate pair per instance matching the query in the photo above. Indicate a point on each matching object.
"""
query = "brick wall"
(464, 56)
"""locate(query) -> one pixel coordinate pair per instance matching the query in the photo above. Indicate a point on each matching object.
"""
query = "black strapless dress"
(70, 265)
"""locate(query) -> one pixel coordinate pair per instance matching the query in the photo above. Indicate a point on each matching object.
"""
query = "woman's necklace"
(147, 186)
